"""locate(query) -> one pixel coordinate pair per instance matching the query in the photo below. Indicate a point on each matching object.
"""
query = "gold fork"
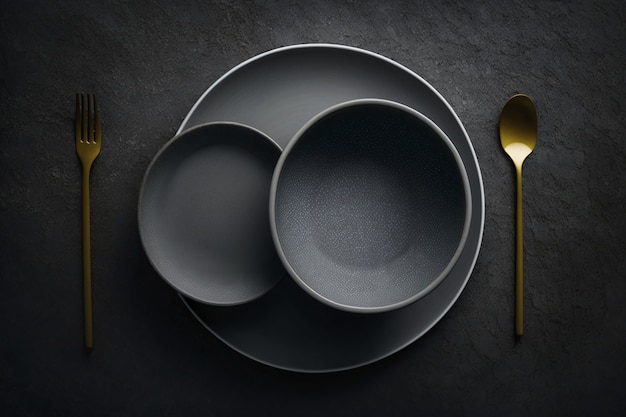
(88, 144)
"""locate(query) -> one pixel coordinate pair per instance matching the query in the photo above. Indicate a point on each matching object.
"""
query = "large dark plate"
(277, 92)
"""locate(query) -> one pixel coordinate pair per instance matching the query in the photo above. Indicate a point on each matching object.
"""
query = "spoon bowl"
(518, 128)
(518, 136)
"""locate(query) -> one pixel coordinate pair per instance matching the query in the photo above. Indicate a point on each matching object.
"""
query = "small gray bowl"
(203, 213)
(369, 206)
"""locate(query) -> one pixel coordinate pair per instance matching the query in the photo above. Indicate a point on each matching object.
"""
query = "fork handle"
(87, 298)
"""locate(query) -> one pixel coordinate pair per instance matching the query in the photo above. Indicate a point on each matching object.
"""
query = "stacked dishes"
(376, 206)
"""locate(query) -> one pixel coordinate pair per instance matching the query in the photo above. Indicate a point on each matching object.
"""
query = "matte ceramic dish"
(278, 92)
(370, 206)
(203, 216)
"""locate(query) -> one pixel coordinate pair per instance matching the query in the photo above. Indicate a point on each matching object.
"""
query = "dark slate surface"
(149, 61)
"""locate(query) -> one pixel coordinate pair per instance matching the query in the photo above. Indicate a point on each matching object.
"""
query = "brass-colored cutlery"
(518, 136)
(88, 144)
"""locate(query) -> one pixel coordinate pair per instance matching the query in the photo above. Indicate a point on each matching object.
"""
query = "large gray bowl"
(369, 206)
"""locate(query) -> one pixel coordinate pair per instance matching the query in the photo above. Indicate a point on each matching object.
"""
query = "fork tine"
(89, 111)
(85, 112)
(98, 131)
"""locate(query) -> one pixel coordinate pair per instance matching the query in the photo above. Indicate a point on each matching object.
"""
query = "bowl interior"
(370, 206)
(203, 213)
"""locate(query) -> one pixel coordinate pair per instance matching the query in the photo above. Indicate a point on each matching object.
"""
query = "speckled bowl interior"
(369, 206)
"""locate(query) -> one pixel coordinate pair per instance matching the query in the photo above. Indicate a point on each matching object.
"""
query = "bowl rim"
(274, 189)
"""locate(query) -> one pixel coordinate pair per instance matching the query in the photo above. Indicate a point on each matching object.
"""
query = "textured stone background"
(149, 61)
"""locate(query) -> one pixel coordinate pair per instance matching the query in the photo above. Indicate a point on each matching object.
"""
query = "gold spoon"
(518, 135)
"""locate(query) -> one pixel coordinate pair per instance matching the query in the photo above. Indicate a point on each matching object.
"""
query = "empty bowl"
(369, 206)
(203, 213)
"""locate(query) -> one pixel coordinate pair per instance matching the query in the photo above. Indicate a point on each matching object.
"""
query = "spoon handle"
(519, 258)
